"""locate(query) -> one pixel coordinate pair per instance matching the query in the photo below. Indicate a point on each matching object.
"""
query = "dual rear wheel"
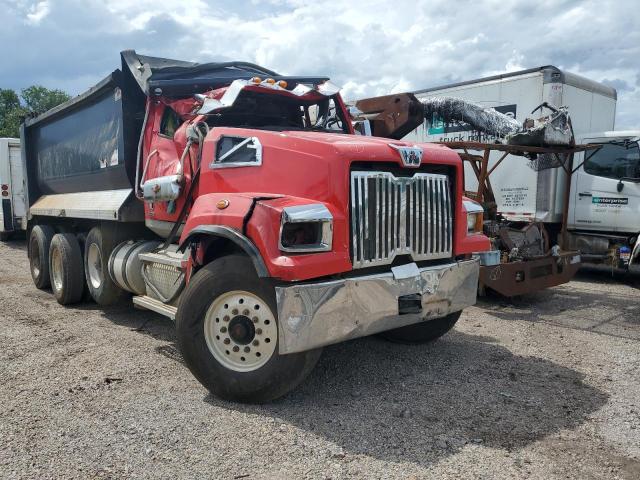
(57, 261)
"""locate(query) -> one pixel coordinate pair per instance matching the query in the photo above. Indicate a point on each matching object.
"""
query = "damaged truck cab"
(239, 203)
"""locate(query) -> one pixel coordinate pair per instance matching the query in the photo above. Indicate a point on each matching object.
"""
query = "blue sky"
(368, 47)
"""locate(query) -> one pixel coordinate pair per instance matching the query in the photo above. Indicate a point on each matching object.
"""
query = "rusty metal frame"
(521, 277)
(480, 166)
(534, 274)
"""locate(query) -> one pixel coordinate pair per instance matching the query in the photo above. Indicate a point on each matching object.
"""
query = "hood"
(370, 148)
(313, 145)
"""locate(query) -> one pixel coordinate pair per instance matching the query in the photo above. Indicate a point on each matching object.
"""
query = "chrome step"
(165, 257)
(146, 302)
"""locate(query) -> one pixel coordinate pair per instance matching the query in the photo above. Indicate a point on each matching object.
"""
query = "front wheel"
(227, 330)
(422, 332)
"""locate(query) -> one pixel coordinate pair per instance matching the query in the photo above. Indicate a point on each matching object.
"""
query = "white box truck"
(604, 201)
(530, 195)
(13, 214)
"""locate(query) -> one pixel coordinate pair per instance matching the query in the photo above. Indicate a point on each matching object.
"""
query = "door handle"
(584, 194)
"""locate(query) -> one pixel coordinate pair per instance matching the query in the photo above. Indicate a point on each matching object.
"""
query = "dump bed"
(79, 146)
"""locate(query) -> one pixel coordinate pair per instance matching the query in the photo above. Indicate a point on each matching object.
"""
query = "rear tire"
(227, 331)
(98, 246)
(426, 331)
(38, 251)
(65, 268)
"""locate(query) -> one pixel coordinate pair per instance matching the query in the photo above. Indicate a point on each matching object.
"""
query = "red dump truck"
(239, 203)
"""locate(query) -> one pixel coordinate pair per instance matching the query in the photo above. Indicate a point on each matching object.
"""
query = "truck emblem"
(411, 156)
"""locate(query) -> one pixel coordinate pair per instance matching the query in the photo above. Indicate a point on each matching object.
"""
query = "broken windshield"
(269, 111)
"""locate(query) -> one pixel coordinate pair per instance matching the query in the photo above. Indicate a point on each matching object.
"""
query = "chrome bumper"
(312, 315)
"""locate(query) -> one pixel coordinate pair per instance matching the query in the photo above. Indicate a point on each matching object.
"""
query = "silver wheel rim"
(240, 331)
(56, 269)
(94, 265)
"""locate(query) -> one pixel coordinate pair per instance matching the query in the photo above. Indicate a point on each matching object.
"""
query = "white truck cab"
(13, 212)
(604, 208)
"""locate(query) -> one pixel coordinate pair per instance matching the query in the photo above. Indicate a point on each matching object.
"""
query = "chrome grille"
(393, 216)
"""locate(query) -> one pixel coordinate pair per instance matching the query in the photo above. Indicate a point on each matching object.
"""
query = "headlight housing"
(306, 229)
(474, 216)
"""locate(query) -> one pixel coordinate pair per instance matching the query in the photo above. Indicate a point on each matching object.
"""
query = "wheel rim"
(94, 265)
(56, 269)
(240, 331)
(35, 257)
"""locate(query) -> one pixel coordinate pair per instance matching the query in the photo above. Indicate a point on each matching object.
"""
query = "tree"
(33, 100)
(9, 107)
(38, 99)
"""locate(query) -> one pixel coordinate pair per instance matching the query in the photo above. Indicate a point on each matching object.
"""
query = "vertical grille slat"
(393, 216)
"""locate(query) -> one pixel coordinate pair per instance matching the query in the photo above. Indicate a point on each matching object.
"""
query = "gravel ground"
(545, 386)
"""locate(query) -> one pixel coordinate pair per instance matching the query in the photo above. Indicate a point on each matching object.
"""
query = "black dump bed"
(80, 145)
(90, 142)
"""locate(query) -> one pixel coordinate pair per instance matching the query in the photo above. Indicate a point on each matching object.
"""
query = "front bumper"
(312, 315)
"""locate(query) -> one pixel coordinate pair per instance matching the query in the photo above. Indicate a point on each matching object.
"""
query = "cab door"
(606, 188)
(162, 165)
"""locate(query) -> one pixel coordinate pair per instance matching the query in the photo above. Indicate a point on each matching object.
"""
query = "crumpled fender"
(262, 233)
(222, 215)
(264, 229)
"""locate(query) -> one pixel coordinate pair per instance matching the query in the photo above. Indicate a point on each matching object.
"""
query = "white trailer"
(528, 195)
(13, 214)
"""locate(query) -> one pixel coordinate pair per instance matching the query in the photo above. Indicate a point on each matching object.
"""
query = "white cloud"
(370, 47)
(37, 12)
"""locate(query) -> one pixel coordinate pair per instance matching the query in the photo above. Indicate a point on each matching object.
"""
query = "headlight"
(306, 229)
(474, 216)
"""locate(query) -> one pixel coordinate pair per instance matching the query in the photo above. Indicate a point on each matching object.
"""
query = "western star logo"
(609, 201)
(410, 156)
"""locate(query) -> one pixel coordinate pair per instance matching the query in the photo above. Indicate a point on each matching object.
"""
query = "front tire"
(426, 331)
(65, 268)
(227, 331)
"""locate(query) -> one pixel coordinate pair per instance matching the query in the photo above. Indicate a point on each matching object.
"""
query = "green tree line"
(33, 100)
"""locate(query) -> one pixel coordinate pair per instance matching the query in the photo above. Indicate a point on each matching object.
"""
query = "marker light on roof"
(270, 81)
(282, 84)
(256, 80)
